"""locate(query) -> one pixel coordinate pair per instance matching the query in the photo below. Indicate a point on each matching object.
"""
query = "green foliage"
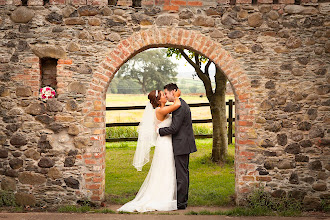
(237, 211)
(260, 200)
(166, 213)
(130, 132)
(260, 203)
(121, 132)
(193, 89)
(74, 209)
(325, 204)
(7, 198)
(124, 86)
(105, 211)
(152, 69)
(210, 184)
(200, 129)
(191, 54)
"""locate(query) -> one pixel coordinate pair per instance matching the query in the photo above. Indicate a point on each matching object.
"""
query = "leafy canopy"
(152, 69)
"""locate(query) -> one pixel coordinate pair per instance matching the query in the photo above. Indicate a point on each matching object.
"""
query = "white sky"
(186, 70)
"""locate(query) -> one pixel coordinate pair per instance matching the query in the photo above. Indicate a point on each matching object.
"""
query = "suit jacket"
(181, 130)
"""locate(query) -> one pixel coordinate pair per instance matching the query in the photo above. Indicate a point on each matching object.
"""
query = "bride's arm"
(168, 109)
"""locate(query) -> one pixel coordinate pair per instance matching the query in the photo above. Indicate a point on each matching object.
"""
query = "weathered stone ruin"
(274, 54)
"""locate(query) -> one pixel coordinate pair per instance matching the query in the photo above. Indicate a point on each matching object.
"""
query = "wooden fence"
(230, 121)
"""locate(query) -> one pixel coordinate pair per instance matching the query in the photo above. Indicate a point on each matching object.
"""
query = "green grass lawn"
(210, 184)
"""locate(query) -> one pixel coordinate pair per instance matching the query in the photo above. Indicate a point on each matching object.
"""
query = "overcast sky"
(186, 70)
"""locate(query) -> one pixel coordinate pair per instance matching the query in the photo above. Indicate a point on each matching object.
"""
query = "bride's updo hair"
(153, 99)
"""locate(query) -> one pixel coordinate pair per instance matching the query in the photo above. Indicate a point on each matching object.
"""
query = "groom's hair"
(171, 87)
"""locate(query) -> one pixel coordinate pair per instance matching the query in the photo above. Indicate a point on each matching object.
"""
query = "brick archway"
(94, 108)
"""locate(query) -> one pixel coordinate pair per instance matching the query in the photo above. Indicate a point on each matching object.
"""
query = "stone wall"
(275, 56)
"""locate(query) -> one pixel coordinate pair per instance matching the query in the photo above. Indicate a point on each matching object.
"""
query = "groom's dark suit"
(183, 144)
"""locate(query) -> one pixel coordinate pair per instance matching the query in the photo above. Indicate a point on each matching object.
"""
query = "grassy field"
(210, 184)
(136, 115)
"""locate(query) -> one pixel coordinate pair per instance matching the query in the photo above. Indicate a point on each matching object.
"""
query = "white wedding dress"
(158, 191)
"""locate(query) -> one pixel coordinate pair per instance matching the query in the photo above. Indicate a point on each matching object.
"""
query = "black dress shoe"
(181, 207)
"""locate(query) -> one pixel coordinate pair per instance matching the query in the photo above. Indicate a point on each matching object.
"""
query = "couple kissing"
(166, 185)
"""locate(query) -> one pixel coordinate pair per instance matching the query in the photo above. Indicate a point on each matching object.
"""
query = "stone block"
(81, 142)
(31, 178)
(54, 18)
(23, 91)
(74, 21)
(255, 19)
(315, 165)
(77, 88)
(204, 21)
(72, 183)
(36, 109)
(88, 11)
(320, 186)
(49, 51)
(25, 199)
(16, 163)
(54, 173)
(46, 162)
(18, 139)
(285, 164)
(53, 105)
(73, 130)
(3, 153)
(293, 148)
(31, 153)
(311, 203)
(22, 15)
(8, 184)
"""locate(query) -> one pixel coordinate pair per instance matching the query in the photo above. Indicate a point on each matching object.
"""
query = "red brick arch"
(95, 104)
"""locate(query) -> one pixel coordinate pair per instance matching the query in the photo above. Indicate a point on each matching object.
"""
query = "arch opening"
(178, 38)
(117, 173)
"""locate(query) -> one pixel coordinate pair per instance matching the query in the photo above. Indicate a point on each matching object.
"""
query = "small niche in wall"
(48, 69)
(24, 2)
(112, 2)
(136, 3)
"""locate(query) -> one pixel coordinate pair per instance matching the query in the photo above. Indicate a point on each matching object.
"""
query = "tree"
(193, 89)
(152, 69)
(216, 97)
(127, 86)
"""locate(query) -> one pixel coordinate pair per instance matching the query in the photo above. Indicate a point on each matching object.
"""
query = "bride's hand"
(177, 93)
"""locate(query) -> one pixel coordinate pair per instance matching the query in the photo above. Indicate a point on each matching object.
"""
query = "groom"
(183, 141)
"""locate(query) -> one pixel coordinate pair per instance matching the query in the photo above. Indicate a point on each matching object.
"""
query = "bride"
(158, 191)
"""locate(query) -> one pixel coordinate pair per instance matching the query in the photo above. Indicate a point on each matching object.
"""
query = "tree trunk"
(144, 86)
(217, 102)
(219, 119)
(144, 90)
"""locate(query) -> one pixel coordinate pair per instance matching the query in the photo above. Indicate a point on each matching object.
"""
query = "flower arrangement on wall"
(46, 93)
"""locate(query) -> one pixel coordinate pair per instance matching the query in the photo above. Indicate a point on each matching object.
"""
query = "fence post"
(230, 122)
